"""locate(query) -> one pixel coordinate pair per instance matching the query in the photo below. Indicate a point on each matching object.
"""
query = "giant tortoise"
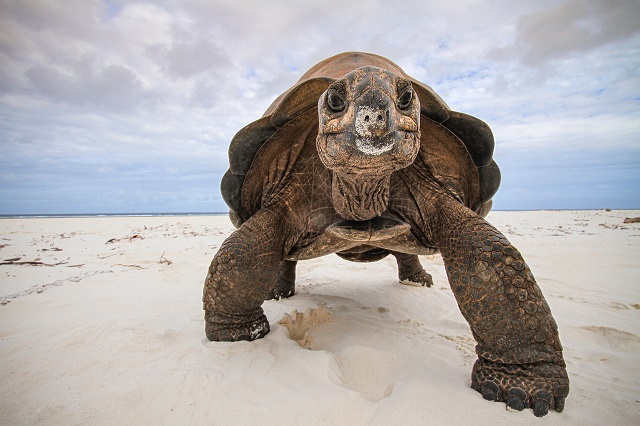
(360, 159)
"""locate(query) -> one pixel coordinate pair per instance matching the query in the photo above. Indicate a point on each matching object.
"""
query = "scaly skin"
(286, 282)
(411, 272)
(520, 358)
(380, 156)
(242, 276)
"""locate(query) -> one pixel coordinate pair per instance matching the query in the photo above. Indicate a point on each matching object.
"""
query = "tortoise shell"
(474, 134)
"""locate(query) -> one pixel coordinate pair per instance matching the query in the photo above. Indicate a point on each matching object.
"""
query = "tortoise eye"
(404, 100)
(405, 94)
(335, 100)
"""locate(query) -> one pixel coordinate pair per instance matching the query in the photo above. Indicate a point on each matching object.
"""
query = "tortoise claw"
(514, 404)
(516, 400)
(542, 401)
(490, 391)
(540, 408)
(421, 279)
(525, 386)
(278, 294)
(286, 283)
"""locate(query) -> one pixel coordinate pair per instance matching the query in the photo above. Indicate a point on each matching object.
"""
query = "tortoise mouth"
(349, 152)
(370, 146)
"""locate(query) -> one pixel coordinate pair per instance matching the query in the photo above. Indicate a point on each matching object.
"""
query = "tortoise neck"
(359, 196)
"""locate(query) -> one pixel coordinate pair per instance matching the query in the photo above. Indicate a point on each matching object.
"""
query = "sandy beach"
(101, 322)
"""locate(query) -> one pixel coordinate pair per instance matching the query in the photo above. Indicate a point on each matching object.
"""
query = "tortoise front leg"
(520, 357)
(241, 276)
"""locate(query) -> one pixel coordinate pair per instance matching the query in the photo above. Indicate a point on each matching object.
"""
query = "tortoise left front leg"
(520, 358)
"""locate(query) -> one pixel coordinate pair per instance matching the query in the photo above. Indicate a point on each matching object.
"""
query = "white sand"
(115, 336)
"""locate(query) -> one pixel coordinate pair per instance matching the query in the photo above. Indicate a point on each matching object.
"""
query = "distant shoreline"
(88, 215)
(179, 214)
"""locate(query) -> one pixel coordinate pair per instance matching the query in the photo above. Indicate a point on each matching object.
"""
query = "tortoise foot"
(286, 283)
(282, 290)
(231, 328)
(541, 386)
(420, 279)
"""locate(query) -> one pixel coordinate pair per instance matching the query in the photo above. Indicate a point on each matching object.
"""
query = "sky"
(129, 107)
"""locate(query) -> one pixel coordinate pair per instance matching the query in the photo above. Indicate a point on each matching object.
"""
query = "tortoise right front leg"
(241, 276)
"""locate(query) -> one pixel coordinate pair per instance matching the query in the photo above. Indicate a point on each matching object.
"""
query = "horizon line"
(169, 214)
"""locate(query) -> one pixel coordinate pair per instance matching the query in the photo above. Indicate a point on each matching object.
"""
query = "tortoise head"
(369, 123)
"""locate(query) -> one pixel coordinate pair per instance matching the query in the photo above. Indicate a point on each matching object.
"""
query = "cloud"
(186, 60)
(115, 86)
(571, 27)
(117, 105)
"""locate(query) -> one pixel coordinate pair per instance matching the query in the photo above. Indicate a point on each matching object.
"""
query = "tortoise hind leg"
(410, 271)
(241, 276)
(285, 286)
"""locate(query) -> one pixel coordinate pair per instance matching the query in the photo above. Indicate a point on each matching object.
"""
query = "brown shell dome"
(474, 133)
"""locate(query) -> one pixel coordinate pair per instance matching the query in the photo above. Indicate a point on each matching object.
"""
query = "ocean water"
(33, 216)
(71, 215)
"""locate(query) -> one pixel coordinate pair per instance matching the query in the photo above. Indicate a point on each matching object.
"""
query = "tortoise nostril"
(370, 120)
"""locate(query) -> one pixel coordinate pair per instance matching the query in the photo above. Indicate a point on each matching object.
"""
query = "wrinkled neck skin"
(360, 196)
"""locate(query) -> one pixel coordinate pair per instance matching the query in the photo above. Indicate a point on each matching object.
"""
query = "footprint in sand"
(614, 338)
(299, 325)
(465, 345)
(366, 370)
